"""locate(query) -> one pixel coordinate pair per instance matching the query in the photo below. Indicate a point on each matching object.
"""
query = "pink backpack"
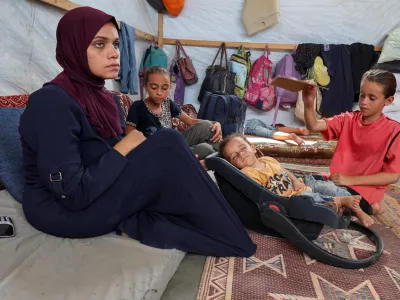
(259, 93)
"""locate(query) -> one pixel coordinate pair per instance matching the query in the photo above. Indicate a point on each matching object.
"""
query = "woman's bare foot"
(353, 203)
(304, 131)
(295, 138)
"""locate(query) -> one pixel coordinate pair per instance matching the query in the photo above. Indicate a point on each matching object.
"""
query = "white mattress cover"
(34, 265)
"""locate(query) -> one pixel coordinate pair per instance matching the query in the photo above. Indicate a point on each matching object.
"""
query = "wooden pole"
(68, 5)
(160, 39)
(260, 46)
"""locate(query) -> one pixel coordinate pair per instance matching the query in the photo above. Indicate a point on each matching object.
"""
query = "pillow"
(391, 48)
(11, 174)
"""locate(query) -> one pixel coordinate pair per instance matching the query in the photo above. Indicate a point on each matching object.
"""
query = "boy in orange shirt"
(367, 156)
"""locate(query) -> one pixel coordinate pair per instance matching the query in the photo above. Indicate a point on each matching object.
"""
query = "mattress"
(38, 266)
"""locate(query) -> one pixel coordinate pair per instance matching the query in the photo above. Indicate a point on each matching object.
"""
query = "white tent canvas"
(28, 34)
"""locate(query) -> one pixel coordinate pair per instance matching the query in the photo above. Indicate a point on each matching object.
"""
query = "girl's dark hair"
(385, 78)
(154, 70)
(226, 141)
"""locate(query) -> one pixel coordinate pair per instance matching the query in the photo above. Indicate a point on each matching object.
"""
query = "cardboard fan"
(290, 84)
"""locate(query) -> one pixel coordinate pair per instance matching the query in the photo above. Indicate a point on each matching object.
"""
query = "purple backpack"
(284, 98)
(177, 92)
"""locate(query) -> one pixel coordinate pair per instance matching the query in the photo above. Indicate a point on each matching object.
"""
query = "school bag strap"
(222, 50)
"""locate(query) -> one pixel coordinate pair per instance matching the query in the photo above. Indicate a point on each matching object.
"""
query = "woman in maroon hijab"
(85, 177)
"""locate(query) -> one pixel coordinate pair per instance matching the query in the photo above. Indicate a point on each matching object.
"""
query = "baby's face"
(239, 153)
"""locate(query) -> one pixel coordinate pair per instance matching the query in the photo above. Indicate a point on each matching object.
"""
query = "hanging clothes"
(340, 94)
(305, 56)
(362, 59)
(128, 73)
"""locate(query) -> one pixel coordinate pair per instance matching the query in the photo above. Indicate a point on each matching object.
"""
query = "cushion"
(14, 101)
(125, 102)
(190, 111)
(391, 48)
(11, 174)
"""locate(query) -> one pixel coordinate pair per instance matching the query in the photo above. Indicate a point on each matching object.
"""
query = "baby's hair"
(154, 70)
(384, 78)
(227, 140)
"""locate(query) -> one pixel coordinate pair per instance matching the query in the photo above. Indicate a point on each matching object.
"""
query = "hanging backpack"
(228, 110)
(218, 78)
(259, 93)
(177, 91)
(154, 56)
(240, 64)
(286, 67)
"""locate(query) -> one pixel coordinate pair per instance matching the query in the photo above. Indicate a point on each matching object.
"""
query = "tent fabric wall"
(28, 34)
(28, 39)
(313, 21)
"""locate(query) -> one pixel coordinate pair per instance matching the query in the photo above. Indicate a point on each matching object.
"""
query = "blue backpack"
(228, 110)
(154, 56)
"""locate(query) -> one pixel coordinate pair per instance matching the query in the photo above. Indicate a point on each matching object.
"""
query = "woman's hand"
(130, 142)
(218, 133)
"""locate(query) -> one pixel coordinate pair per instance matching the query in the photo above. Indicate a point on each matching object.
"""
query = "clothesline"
(68, 5)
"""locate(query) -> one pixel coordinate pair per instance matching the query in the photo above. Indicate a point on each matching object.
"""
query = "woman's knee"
(169, 135)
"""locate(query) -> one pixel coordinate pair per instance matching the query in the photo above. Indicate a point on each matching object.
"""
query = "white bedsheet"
(34, 265)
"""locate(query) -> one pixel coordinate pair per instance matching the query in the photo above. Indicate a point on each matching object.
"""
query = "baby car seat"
(298, 218)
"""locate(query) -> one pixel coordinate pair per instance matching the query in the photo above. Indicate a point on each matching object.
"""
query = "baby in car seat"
(268, 172)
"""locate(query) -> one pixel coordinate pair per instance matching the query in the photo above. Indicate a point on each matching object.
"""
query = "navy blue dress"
(78, 186)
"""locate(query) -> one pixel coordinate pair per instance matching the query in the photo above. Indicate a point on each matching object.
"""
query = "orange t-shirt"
(364, 149)
(273, 177)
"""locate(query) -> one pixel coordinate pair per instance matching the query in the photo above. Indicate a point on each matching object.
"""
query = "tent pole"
(68, 5)
(160, 39)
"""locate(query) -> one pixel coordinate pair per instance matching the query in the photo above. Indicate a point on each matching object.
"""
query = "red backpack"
(259, 93)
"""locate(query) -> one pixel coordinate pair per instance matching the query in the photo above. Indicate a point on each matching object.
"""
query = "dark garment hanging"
(391, 66)
(305, 56)
(362, 58)
(339, 97)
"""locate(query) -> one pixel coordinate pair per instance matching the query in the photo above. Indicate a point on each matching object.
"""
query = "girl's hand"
(218, 133)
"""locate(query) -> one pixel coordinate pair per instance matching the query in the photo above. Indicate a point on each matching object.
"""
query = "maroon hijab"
(75, 32)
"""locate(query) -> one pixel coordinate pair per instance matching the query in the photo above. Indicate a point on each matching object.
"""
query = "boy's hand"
(297, 185)
(341, 179)
(309, 94)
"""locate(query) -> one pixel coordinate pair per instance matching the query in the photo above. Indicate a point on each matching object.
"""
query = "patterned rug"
(280, 271)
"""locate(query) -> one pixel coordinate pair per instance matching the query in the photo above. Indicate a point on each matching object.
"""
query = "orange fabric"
(174, 7)
(273, 177)
(361, 149)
